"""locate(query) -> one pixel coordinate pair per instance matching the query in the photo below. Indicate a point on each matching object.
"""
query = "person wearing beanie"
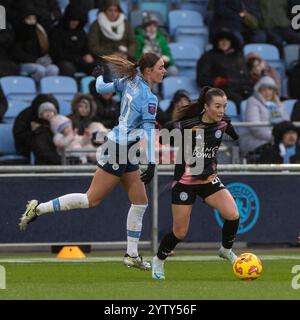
(285, 148)
(263, 106)
(66, 139)
(151, 39)
(26, 119)
(42, 145)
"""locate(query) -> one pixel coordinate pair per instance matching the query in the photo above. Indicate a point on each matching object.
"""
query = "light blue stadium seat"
(7, 145)
(65, 107)
(63, 88)
(172, 84)
(194, 5)
(185, 57)
(84, 84)
(136, 17)
(156, 6)
(14, 108)
(243, 106)
(18, 88)
(265, 51)
(291, 54)
(231, 110)
(185, 19)
(289, 106)
(164, 104)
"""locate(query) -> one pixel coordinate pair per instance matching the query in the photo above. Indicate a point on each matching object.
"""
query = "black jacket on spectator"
(230, 66)
(66, 44)
(27, 48)
(7, 66)
(22, 126)
(42, 145)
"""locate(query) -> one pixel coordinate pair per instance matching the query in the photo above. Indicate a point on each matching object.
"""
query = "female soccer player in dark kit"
(138, 111)
(207, 122)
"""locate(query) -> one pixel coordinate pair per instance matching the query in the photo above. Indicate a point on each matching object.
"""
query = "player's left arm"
(230, 129)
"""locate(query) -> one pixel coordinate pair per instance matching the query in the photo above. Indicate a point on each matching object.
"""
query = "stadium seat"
(185, 19)
(195, 5)
(63, 88)
(14, 108)
(291, 54)
(18, 88)
(265, 51)
(243, 109)
(289, 106)
(172, 84)
(231, 110)
(7, 145)
(185, 57)
(84, 84)
(161, 7)
(136, 18)
(65, 107)
(164, 104)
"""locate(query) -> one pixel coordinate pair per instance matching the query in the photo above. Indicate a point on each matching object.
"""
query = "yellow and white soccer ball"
(247, 266)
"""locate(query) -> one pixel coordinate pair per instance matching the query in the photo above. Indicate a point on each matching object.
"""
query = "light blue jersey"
(138, 112)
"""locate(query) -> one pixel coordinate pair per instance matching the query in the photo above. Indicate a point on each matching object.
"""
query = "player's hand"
(98, 71)
(147, 175)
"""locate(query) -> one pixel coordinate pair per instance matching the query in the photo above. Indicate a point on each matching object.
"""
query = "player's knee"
(180, 233)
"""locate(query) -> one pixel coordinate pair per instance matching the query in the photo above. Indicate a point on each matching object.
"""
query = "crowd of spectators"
(42, 39)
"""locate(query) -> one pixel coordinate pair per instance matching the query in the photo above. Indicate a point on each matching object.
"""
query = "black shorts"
(116, 168)
(184, 194)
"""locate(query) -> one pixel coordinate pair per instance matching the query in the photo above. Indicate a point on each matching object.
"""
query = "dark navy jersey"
(206, 150)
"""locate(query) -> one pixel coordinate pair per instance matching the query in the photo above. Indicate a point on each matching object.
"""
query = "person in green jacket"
(151, 39)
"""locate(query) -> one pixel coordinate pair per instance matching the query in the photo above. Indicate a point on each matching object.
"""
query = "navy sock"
(167, 244)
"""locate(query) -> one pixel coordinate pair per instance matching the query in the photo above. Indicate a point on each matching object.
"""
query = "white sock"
(134, 228)
(64, 203)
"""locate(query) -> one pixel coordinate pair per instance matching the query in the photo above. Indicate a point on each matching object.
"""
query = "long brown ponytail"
(195, 109)
(124, 68)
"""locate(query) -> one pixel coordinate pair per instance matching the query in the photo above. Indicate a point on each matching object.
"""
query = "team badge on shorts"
(115, 166)
(183, 196)
(218, 134)
(248, 205)
(152, 108)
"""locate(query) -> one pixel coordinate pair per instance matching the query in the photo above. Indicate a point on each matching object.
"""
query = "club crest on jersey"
(152, 108)
(218, 134)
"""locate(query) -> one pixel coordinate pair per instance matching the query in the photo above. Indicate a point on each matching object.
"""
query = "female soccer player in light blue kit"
(138, 111)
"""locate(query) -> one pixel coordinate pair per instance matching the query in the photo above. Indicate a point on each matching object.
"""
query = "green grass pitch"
(195, 280)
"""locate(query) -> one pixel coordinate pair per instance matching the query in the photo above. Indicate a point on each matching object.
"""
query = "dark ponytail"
(195, 109)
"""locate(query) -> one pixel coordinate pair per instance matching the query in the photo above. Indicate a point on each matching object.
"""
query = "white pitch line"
(119, 259)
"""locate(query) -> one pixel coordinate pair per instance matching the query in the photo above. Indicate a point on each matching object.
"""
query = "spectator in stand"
(242, 17)
(3, 104)
(42, 145)
(285, 148)
(32, 47)
(151, 39)
(7, 66)
(181, 98)
(83, 112)
(277, 23)
(26, 122)
(68, 43)
(110, 31)
(224, 67)
(48, 10)
(108, 109)
(263, 106)
(259, 68)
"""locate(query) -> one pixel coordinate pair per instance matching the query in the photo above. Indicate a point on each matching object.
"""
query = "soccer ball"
(247, 266)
